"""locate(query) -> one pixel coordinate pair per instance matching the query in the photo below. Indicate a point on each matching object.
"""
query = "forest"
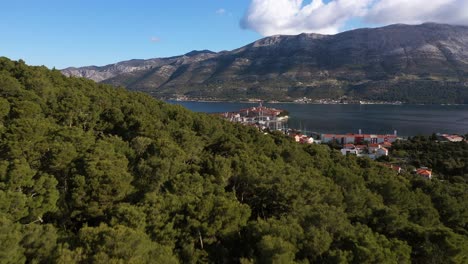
(90, 173)
(449, 160)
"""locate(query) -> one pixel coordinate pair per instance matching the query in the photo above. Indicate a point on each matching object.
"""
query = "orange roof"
(391, 166)
(424, 172)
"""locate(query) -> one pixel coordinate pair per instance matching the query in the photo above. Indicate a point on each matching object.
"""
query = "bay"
(408, 120)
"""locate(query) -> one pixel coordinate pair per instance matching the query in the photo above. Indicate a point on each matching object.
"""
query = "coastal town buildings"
(358, 138)
(259, 116)
(372, 151)
(303, 139)
(373, 146)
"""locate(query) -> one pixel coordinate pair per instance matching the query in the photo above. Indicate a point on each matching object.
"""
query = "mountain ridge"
(396, 62)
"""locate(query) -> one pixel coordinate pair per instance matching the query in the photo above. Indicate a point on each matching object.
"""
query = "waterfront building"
(260, 116)
(358, 138)
(372, 151)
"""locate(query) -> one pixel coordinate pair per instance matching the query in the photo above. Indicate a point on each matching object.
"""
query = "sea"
(407, 120)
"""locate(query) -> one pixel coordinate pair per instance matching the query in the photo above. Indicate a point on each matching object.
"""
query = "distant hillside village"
(373, 146)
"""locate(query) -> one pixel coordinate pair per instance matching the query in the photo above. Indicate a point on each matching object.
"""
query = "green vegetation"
(93, 174)
(448, 160)
(418, 91)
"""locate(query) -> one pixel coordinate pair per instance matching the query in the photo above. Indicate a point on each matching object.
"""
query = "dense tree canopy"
(94, 174)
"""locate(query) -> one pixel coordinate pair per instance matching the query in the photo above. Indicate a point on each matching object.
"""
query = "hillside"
(94, 174)
(425, 63)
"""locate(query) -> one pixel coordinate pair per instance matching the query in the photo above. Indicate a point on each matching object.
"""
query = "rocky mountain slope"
(425, 63)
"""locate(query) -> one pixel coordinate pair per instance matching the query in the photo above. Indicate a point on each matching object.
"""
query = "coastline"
(408, 119)
(302, 103)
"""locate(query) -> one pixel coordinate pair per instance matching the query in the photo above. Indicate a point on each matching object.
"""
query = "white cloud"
(270, 17)
(155, 39)
(419, 11)
(221, 11)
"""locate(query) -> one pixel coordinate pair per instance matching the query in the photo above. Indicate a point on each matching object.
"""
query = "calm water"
(408, 120)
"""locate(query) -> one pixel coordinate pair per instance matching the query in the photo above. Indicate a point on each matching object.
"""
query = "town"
(372, 146)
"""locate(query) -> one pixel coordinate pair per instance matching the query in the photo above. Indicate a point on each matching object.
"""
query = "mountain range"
(425, 63)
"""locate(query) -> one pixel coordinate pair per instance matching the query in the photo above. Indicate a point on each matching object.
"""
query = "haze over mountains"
(425, 63)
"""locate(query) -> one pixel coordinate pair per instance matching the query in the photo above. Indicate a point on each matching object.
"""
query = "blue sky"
(77, 33)
(82, 32)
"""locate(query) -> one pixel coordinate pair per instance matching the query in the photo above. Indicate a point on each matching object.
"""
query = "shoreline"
(301, 103)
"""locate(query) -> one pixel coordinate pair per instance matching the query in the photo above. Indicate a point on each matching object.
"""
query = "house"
(328, 138)
(450, 138)
(380, 152)
(260, 111)
(297, 137)
(361, 147)
(425, 172)
(306, 140)
(387, 144)
(349, 146)
(358, 138)
(372, 151)
(303, 139)
(396, 168)
(350, 149)
(374, 147)
(393, 167)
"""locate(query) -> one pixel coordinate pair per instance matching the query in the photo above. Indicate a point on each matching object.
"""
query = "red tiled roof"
(424, 172)
(393, 167)
(359, 135)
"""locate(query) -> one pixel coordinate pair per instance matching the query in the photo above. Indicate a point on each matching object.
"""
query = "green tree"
(105, 180)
